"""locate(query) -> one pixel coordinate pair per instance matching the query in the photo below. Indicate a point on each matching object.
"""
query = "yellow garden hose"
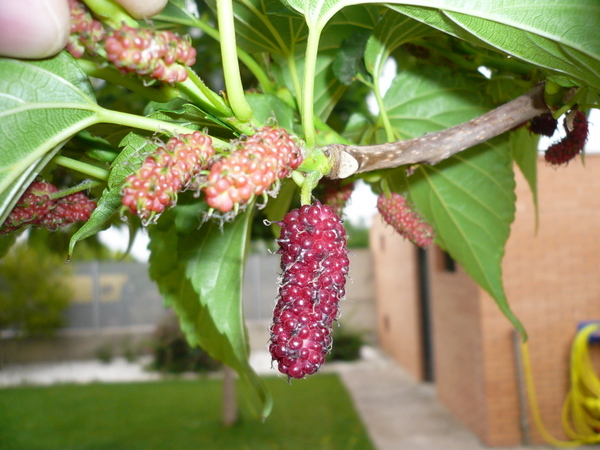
(581, 410)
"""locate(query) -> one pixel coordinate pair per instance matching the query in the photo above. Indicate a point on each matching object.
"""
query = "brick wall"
(552, 280)
(457, 343)
(397, 294)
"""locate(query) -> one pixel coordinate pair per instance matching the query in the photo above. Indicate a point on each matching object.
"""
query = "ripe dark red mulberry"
(251, 169)
(543, 124)
(153, 187)
(576, 126)
(396, 212)
(314, 260)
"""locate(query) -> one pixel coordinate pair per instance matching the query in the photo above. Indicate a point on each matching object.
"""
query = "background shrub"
(173, 354)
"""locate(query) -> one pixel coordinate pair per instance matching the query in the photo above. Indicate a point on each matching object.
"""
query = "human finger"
(33, 28)
(142, 9)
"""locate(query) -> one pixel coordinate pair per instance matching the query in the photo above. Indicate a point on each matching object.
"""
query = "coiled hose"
(581, 410)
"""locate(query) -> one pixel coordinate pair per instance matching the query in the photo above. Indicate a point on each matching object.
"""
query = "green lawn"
(316, 413)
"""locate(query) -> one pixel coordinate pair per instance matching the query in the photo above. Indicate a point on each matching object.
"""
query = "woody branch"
(435, 147)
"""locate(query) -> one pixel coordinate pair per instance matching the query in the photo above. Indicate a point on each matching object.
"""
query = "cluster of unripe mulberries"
(314, 260)
(170, 169)
(576, 127)
(160, 55)
(229, 181)
(397, 212)
(36, 208)
(251, 169)
(86, 32)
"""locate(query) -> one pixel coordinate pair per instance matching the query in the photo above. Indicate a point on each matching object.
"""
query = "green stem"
(88, 169)
(111, 12)
(307, 107)
(83, 186)
(198, 92)
(148, 124)
(572, 102)
(231, 68)
(310, 182)
(161, 93)
(383, 115)
(140, 122)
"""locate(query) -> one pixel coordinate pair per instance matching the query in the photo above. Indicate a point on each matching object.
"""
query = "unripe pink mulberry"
(31, 208)
(334, 193)
(86, 32)
(314, 260)
(161, 55)
(572, 144)
(396, 212)
(73, 208)
(252, 168)
(37, 209)
(153, 187)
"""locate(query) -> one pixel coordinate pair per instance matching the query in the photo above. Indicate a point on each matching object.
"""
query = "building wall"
(457, 343)
(552, 281)
(397, 294)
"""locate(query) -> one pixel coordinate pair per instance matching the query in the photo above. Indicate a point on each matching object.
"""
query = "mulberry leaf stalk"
(231, 69)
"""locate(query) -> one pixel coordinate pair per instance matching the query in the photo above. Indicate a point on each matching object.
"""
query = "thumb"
(142, 9)
(33, 28)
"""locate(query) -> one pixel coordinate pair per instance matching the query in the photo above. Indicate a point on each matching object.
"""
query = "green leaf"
(200, 273)
(176, 11)
(260, 28)
(348, 61)
(524, 149)
(269, 107)
(42, 104)
(328, 89)
(469, 198)
(136, 148)
(392, 31)
(557, 36)
(100, 220)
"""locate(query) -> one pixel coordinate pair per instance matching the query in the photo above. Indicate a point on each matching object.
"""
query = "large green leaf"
(199, 271)
(536, 31)
(469, 198)
(42, 104)
(560, 36)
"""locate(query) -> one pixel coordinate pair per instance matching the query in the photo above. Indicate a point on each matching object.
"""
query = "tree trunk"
(230, 409)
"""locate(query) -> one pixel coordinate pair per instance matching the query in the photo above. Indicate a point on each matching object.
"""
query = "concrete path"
(402, 414)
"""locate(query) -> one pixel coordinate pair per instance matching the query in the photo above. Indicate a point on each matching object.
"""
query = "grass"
(316, 413)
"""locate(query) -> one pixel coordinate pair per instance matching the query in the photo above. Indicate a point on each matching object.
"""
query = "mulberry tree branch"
(435, 147)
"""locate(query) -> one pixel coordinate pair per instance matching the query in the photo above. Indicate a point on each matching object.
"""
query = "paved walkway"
(400, 413)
